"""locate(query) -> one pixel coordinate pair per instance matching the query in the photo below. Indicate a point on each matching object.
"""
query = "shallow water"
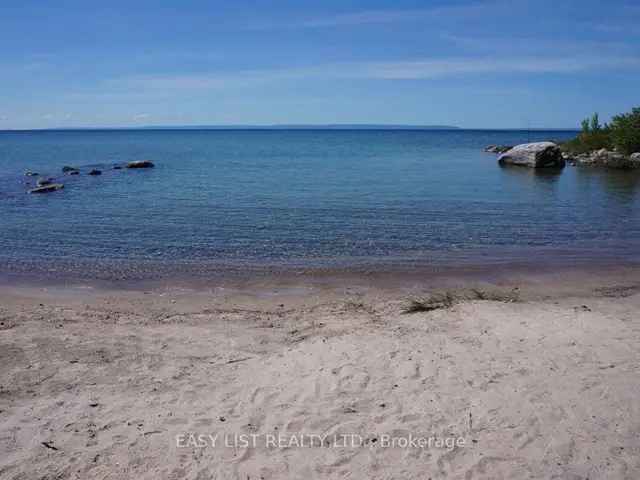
(252, 198)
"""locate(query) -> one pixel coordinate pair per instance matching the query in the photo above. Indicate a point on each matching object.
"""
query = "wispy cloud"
(367, 17)
(380, 16)
(623, 20)
(617, 28)
(528, 45)
(382, 70)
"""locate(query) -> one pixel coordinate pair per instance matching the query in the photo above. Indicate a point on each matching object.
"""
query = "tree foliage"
(625, 131)
(622, 134)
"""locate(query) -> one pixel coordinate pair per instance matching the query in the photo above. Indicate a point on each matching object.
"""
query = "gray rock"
(52, 187)
(534, 155)
(140, 164)
(68, 169)
(95, 172)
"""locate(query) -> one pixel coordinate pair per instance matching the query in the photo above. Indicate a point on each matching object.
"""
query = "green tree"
(625, 131)
(585, 126)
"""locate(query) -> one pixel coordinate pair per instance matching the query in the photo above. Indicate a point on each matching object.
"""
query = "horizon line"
(293, 126)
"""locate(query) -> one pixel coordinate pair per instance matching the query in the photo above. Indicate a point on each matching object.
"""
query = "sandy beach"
(538, 378)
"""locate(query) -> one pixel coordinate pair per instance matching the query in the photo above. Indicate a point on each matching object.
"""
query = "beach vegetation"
(625, 132)
(593, 136)
(447, 299)
(622, 134)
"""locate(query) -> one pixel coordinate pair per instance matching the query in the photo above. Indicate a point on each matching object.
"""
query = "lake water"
(235, 199)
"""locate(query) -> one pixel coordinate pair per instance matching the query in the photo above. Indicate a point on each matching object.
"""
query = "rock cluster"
(46, 185)
(606, 159)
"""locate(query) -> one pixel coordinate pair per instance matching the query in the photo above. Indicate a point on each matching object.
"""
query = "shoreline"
(549, 281)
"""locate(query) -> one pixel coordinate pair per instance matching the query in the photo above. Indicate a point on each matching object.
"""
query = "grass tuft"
(448, 299)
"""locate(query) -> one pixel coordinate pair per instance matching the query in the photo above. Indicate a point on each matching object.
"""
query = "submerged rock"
(69, 170)
(498, 148)
(52, 187)
(95, 172)
(44, 181)
(29, 173)
(534, 155)
(117, 167)
(74, 172)
(569, 159)
(140, 164)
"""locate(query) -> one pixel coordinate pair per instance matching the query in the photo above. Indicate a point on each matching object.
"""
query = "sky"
(467, 63)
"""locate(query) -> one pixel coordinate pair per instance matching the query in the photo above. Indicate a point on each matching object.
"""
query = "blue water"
(314, 198)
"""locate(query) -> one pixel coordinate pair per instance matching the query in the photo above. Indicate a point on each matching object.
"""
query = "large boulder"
(140, 164)
(52, 187)
(534, 155)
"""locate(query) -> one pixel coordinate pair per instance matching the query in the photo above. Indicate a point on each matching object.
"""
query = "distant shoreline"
(331, 128)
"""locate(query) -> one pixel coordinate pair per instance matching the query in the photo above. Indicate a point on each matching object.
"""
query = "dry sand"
(109, 384)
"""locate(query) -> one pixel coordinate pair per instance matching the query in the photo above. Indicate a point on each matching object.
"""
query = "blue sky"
(484, 64)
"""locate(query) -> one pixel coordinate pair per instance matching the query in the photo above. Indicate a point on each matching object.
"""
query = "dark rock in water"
(140, 164)
(68, 169)
(74, 172)
(95, 172)
(498, 148)
(569, 159)
(29, 173)
(52, 187)
(534, 155)
(44, 181)
(117, 167)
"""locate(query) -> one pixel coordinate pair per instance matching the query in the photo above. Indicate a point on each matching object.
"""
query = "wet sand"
(230, 379)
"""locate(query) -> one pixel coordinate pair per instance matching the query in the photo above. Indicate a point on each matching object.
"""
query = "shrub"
(593, 136)
(625, 132)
